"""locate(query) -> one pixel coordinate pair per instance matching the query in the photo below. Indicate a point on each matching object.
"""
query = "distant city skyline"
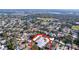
(51, 11)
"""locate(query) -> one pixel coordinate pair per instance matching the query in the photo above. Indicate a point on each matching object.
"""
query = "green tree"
(10, 44)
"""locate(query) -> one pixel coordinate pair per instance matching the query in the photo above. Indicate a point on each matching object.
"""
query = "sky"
(39, 4)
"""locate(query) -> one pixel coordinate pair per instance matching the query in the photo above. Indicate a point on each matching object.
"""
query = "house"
(41, 41)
